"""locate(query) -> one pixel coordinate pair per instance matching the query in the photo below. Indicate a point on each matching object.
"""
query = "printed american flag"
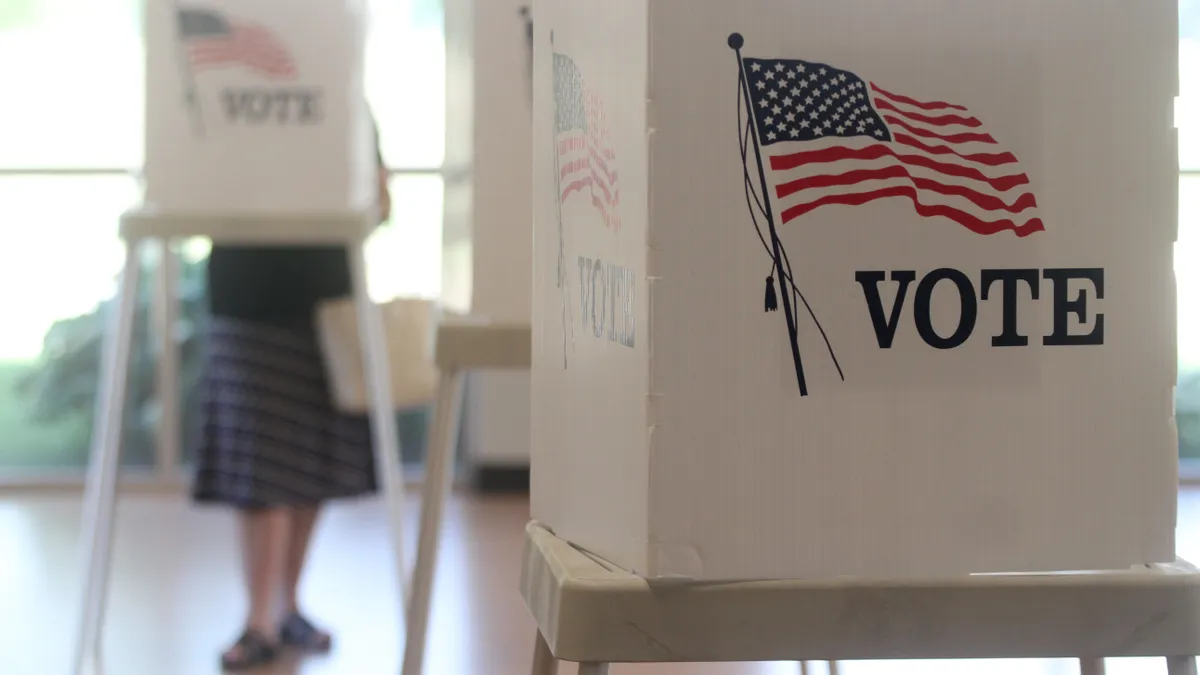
(586, 159)
(213, 41)
(830, 137)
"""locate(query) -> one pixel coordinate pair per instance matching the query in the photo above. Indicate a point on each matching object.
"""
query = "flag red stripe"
(610, 219)
(980, 199)
(966, 137)
(268, 61)
(939, 121)
(599, 155)
(250, 46)
(972, 223)
(838, 153)
(985, 158)
(583, 166)
(935, 105)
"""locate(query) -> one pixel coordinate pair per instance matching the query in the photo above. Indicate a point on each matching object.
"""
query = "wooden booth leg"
(100, 496)
(1089, 666)
(544, 662)
(384, 434)
(1181, 665)
(439, 475)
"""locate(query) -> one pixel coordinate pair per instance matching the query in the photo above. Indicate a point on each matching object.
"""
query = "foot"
(297, 631)
(252, 650)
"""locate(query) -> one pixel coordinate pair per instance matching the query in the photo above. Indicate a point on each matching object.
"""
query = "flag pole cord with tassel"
(781, 264)
(735, 43)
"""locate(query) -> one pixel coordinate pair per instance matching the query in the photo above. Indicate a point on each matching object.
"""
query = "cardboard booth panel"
(257, 106)
(591, 291)
(855, 287)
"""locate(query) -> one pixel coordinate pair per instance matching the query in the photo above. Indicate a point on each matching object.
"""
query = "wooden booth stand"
(876, 454)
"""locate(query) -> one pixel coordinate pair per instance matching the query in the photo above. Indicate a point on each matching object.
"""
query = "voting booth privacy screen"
(855, 287)
(257, 106)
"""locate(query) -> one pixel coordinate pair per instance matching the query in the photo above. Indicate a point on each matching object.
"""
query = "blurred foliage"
(63, 384)
(1187, 415)
(16, 14)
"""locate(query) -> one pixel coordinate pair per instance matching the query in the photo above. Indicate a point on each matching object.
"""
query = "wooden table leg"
(1181, 665)
(544, 662)
(834, 668)
(593, 669)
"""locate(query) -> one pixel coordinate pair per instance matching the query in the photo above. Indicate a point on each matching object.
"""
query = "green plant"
(63, 384)
(1187, 415)
(17, 13)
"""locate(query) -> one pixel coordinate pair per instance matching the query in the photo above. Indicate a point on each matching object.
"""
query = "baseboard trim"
(492, 479)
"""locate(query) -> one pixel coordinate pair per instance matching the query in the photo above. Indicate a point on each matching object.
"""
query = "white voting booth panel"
(257, 106)
(855, 287)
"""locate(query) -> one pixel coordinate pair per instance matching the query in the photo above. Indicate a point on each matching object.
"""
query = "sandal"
(251, 650)
(298, 632)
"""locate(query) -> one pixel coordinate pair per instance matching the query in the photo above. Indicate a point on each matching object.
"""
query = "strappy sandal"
(296, 631)
(252, 650)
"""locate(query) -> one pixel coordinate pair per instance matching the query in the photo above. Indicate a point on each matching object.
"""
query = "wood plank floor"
(175, 597)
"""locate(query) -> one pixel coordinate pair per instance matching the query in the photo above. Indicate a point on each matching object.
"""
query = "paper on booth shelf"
(856, 288)
(257, 106)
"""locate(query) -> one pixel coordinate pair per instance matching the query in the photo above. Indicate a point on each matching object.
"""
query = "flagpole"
(185, 71)
(562, 259)
(735, 43)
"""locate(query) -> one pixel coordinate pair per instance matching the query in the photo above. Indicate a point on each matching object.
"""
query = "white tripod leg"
(439, 474)
(384, 434)
(104, 465)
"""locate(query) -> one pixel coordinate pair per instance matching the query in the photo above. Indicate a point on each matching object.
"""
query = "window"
(65, 178)
(72, 72)
(59, 260)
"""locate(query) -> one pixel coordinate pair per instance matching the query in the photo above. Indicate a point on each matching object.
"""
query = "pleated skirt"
(269, 432)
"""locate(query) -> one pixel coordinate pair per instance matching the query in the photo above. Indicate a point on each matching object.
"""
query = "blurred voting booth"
(858, 288)
(257, 107)
(257, 132)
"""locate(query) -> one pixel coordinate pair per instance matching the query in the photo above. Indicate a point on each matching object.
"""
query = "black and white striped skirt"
(270, 434)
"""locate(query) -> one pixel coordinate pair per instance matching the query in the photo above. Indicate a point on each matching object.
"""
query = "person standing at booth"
(272, 445)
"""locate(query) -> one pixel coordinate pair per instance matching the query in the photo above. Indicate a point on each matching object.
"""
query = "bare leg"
(264, 550)
(303, 520)
(296, 629)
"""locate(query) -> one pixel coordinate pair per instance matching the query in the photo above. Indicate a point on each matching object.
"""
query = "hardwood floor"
(175, 596)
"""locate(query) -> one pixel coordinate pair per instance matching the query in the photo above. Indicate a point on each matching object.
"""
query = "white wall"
(496, 201)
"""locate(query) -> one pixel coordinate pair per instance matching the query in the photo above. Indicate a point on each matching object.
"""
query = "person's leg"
(265, 534)
(303, 520)
(296, 629)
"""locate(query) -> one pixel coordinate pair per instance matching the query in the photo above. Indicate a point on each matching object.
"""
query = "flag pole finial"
(736, 41)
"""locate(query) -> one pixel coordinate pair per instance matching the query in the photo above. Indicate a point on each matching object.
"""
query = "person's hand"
(385, 197)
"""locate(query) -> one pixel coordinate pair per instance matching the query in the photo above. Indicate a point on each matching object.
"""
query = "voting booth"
(858, 288)
(257, 133)
(257, 106)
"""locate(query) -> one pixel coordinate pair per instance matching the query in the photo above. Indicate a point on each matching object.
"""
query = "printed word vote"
(1068, 291)
(606, 294)
(272, 105)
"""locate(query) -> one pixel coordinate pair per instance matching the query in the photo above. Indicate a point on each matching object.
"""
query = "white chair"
(590, 612)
